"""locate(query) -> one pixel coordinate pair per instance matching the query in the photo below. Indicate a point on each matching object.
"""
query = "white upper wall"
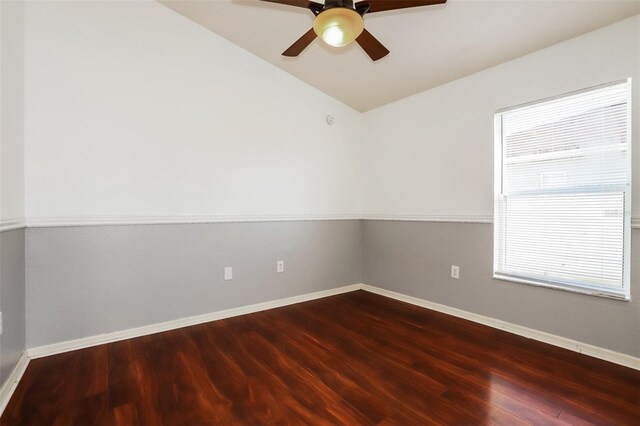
(432, 154)
(133, 110)
(11, 111)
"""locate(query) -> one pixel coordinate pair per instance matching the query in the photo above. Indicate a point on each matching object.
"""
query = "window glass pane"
(576, 141)
(562, 195)
(568, 237)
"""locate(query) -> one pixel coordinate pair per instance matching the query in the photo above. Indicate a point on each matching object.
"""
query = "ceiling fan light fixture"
(338, 26)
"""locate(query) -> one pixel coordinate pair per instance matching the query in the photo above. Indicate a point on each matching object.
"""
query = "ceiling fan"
(340, 22)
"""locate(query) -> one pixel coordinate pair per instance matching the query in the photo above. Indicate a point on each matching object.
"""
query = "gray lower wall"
(415, 258)
(84, 281)
(12, 300)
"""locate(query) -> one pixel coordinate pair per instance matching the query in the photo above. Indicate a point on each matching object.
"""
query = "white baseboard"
(41, 351)
(563, 342)
(12, 381)
(552, 339)
(86, 342)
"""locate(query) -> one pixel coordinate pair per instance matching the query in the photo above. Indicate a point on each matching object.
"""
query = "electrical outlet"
(455, 272)
(228, 273)
(280, 266)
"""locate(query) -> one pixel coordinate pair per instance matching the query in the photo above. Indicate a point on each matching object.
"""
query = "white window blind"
(563, 192)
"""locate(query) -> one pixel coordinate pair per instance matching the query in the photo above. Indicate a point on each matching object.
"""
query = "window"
(563, 189)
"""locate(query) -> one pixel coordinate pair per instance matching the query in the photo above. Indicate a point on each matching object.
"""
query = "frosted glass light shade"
(338, 26)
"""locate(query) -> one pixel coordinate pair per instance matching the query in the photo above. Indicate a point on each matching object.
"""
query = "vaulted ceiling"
(429, 46)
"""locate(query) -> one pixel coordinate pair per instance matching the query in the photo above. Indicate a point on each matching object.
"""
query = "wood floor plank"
(123, 386)
(545, 368)
(91, 410)
(126, 414)
(352, 359)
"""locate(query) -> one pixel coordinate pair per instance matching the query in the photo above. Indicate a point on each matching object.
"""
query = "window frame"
(499, 161)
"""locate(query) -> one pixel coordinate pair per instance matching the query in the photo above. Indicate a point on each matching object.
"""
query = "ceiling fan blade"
(299, 3)
(382, 5)
(302, 43)
(372, 46)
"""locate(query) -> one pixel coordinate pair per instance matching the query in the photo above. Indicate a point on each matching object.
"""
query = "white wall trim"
(11, 383)
(11, 224)
(51, 222)
(635, 221)
(552, 339)
(46, 222)
(431, 218)
(87, 342)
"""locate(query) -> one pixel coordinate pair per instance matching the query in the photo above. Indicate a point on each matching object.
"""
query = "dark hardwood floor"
(356, 358)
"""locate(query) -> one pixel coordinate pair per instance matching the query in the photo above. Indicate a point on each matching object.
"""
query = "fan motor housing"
(330, 4)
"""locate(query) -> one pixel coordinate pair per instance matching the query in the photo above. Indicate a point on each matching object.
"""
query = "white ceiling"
(429, 45)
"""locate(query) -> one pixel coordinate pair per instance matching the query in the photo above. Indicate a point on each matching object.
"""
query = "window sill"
(620, 295)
